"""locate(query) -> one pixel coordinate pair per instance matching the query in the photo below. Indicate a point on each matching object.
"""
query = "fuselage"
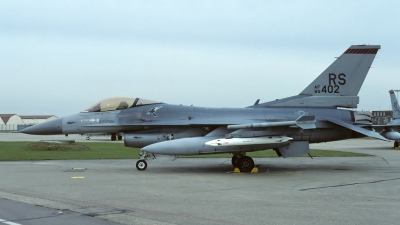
(143, 118)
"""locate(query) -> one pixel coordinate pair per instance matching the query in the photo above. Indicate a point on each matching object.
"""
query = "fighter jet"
(322, 112)
(389, 130)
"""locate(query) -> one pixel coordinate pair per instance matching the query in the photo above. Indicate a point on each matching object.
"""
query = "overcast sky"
(59, 57)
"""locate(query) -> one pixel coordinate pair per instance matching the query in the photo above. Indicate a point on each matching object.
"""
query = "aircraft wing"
(356, 129)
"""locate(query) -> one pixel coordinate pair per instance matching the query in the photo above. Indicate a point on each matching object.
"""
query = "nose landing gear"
(141, 164)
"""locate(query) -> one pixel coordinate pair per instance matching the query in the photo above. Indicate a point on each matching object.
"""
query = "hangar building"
(13, 122)
(381, 117)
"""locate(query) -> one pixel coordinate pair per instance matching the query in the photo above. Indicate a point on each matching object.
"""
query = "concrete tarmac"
(17, 213)
(327, 190)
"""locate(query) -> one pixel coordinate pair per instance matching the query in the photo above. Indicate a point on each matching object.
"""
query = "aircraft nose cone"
(49, 127)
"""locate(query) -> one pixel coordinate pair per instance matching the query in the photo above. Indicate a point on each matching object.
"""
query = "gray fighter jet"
(322, 112)
(390, 130)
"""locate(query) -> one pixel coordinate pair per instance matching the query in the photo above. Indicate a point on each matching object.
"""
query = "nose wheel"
(141, 165)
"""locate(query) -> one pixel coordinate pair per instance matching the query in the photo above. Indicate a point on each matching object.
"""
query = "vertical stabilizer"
(338, 85)
(395, 105)
(345, 76)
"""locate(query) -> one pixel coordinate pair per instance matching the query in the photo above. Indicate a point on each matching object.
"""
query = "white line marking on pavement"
(8, 222)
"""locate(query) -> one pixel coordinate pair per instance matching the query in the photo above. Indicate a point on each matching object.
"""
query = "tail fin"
(395, 105)
(346, 75)
(339, 84)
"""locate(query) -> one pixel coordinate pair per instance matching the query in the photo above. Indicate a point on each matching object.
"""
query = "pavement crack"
(385, 160)
(93, 214)
(351, 184)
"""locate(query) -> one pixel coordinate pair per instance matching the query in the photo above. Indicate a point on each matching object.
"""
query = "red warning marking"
(361, 51)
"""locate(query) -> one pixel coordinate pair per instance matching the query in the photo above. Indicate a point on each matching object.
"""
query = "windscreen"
(118, 104)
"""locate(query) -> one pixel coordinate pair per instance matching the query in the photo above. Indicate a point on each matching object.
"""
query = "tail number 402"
(334, 83)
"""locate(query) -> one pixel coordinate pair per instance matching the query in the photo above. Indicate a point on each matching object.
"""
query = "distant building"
(14, 121)
(36, 119)
(382, 117)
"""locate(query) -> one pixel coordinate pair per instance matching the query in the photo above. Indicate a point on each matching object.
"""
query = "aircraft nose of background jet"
(49, 127)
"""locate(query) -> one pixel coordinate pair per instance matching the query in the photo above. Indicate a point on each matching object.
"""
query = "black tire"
(246, 164)
(235, 161)
(119, 137)
(141, 165)
(113, 138)
(396, 144)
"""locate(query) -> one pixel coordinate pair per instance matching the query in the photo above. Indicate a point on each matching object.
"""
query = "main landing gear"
(396, 144)
(243, 162)
(114, 137)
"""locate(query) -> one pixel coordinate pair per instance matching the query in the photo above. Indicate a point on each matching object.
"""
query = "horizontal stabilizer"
(304, 122)
(357, 129)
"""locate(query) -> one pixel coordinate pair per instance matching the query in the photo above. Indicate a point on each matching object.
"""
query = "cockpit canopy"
(118, 103)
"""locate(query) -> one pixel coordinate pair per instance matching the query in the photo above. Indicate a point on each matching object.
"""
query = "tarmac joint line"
(343, 185)
(115, 211)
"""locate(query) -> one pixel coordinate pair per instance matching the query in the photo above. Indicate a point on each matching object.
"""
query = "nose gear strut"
(141, 164)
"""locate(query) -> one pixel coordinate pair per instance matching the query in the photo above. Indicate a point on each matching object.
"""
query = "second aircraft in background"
(390, 130)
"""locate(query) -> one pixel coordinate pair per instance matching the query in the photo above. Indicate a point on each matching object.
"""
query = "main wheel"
(235, 161)
(396, 144)
(113, 138)
(141, 165)
(246, 164)
(119, 137)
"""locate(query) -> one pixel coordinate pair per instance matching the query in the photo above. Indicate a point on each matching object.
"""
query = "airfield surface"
(337, 190)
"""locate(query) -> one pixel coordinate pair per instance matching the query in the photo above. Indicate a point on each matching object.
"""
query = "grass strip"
(17, 151)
